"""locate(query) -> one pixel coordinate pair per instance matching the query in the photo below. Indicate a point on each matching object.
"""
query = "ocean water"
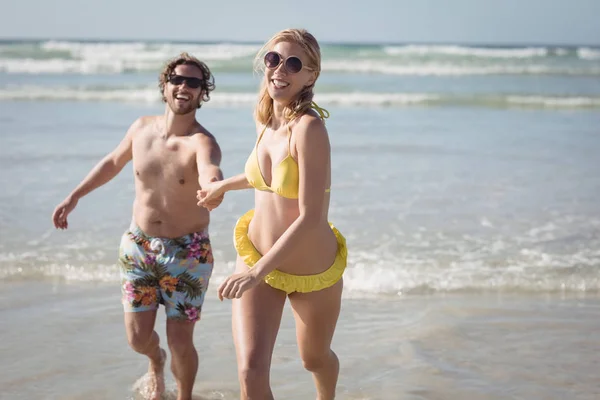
(465, 180)
(454, 168)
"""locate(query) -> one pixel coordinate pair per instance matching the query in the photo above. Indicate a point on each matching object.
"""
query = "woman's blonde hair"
(302, 103)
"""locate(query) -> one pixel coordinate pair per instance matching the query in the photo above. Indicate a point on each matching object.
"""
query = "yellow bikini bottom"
(281, 280)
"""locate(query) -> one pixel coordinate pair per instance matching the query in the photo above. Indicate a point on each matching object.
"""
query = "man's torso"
(166, 181)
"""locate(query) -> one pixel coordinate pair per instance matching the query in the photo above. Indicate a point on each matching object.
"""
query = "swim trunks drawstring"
(156, 244)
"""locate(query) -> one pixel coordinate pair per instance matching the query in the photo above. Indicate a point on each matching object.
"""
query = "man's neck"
(178, 125)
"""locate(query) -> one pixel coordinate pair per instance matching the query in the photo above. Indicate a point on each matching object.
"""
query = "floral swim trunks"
(173, 272)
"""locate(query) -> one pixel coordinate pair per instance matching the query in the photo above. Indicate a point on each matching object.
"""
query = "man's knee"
(180, 342)
(140, 341)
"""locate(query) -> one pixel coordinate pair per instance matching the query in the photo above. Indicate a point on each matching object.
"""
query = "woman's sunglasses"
(191, 82)
(292, 64)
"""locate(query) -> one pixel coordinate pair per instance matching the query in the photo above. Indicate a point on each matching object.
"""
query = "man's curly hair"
(208, 80)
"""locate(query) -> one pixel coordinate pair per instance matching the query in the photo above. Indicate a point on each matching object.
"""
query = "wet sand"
(67, 341)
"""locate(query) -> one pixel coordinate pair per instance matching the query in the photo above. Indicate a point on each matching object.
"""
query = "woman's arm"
(213, 190)
(237, 182)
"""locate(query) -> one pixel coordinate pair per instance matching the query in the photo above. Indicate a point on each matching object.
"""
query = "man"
(165, 257)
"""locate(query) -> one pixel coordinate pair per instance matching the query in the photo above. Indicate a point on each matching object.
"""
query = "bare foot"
(156, 378)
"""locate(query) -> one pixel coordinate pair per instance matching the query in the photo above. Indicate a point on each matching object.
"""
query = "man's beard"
(184, 109)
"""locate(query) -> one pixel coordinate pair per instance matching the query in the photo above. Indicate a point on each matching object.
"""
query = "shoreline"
(67, 341)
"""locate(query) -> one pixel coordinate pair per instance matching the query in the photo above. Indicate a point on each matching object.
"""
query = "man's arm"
(109, 166)
(208, 160)
(102, 173)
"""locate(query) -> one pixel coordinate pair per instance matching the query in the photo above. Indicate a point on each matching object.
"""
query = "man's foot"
(156, 378)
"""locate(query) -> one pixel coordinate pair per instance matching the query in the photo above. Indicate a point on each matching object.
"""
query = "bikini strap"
(289, 134)
(263, 131)
(323, 113)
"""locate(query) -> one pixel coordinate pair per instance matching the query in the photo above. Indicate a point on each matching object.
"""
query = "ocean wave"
(450, 69)
(150, 51)
(112, 58)
(84, 67)
(527, 52)
(151, 95)
(134, 95)
(587, 53)
(56, 57)
(365, 275)
(139, 64)
(233, 59)
(345, 99)
(491, 53)
(546, 274)
(555, 102)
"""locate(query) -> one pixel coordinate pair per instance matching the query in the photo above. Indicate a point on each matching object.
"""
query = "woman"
(286, 247)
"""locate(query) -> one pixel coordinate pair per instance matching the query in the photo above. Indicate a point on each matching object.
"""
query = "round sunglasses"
(292, 64)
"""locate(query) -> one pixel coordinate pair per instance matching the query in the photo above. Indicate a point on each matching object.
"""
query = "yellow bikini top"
(286, 177)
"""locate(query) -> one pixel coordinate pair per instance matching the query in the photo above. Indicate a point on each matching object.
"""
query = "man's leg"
(184, 357)
(140, 303)
(143, 339)
(183, 286)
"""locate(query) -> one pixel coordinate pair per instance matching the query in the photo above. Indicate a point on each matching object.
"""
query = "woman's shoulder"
(309, 122)
(259, 126)
(309, 132)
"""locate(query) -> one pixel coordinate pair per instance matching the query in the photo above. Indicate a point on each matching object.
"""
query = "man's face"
(180, 93)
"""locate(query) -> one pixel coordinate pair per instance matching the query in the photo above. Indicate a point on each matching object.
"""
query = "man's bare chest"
(158, 159)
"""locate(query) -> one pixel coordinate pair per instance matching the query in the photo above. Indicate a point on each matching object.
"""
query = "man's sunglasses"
(292, 64)
(177, 80)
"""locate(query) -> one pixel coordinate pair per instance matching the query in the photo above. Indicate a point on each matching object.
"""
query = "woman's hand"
(210, 196)
(234, 286)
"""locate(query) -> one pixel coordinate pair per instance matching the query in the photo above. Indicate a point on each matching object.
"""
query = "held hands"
(234, 286)
(59, 216)
(210, 196)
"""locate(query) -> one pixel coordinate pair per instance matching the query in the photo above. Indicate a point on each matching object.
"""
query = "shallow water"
(469, 346)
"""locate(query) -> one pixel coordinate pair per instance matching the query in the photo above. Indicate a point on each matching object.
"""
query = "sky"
(351, 21)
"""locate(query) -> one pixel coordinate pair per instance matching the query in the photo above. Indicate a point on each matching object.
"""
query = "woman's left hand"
(234, 286)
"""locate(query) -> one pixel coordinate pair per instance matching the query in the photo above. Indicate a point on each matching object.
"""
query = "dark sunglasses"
(292, 64)
(177, 80)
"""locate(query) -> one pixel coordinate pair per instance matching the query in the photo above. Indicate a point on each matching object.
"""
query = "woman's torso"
(274, 213)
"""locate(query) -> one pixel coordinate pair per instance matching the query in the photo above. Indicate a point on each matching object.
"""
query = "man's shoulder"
(141, 124)
(146, 120)
(205, 145)
(202, 136)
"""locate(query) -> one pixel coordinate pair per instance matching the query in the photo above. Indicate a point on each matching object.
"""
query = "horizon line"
(323, 42)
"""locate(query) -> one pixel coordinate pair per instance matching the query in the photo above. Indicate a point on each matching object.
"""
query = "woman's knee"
(253, 372)
(316, 361)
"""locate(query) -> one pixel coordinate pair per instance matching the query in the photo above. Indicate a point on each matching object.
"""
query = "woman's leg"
(256, 318)
(316, 315)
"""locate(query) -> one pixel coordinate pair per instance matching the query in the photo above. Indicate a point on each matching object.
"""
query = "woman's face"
(287, 71)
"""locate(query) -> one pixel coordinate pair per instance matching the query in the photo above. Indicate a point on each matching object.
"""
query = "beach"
(463, 346)
(465, 180)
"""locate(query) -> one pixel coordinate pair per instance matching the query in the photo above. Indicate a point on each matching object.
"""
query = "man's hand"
(210, 196)
(59, 216)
